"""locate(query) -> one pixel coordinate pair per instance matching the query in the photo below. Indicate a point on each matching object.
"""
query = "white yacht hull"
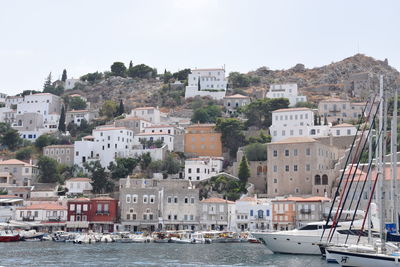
(356, 259)
(290, 243)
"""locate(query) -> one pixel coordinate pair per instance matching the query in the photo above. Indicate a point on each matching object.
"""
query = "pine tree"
(244, 170)
(319, 120)
(64, 75)
(325, 121)
(61, 123)
(47, 83)
(315, 120)
(198, 85)
(130, 65)
(121, 108)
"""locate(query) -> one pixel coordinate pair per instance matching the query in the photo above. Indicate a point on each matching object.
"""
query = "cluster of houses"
(290, 188)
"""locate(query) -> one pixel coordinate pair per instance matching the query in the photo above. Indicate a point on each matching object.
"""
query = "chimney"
(330, 139)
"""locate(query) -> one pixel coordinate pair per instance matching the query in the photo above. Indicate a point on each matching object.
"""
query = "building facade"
(63, 154)
(234, 102)
(199, 169)
(203, 140)
(217, 214)
(340, 110)
(22, 173)
(288, 91)
(206, 82)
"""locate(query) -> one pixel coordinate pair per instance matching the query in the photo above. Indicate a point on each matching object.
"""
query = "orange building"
(203, 140)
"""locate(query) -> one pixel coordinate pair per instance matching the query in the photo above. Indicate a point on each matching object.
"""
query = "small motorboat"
(9, 236)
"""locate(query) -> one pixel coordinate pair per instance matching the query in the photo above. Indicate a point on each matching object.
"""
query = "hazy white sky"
(85, 36)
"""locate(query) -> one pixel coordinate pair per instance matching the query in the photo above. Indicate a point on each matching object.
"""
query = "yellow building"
(203, 140)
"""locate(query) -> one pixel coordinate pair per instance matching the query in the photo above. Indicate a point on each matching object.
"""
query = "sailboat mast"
(381, 177)
(394, 163)
(369, 184)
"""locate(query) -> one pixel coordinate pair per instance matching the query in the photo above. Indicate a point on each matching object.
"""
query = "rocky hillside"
(342, 78)
(335, 78)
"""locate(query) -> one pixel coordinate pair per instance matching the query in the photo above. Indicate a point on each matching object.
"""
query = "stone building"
(217, 214)
(64, 154)
(298, 164)
(340, 110)
(151, 204)
(22, 173)
(203, 140)
(233, 102)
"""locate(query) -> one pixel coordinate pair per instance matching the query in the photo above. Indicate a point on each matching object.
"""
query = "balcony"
(280, 212)
(102, 212)
(28, 219)
(305, 211)
(334, 110)
(54, 218)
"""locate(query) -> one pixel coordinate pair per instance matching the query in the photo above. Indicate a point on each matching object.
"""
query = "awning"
(77, 224)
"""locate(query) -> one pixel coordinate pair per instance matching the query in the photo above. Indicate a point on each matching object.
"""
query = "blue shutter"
(251, 212)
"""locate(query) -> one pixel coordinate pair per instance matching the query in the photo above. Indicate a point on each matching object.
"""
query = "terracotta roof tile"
(295, 140)
(43, 206)
(216, 200)
(291, 109)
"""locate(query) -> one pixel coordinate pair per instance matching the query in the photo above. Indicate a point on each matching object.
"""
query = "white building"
(106, 144)
(3, 114)
(206, 82)
(13, 100)
(165, 138)
(76, 116)
(70, 83)
(343, 129)
(299, 122)
(253, 214)
(234, 102)
(199, 169)
(150, 114)
(8, 205)
(78, 185)
(41, 103)
(288, 91)
(3, 98)
(217, 214)
(41, 213)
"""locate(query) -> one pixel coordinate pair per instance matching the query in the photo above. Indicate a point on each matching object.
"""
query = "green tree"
(72, 128)
(45, 140)
(256, 152)
(108, 109)
(48, 170)
(142, 71)
(121, 108)
(206, 114)
(305, 105)
(244, 170)
(100, 182)
(262, 139)
(64, 75)
(61, 122)
(77, 103)
(48, 82)
(259, 112)
(232, 136)
(123, 167)
(118, 69)
(182, 75)
(145, 161)
(11, 139)
(130, 65)
(167, 76)
(24, 153)
(92, 77)
(242, 80)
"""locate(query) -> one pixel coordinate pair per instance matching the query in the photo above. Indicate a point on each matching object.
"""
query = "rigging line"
(352, 177)
(347, 179)
(362, 190)
(347, 160)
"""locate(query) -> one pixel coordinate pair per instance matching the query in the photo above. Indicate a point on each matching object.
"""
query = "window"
(324, 179)
(128, 198)
(186, 200)
(72, 207)
(175, 217)
(275, 153)
(251, 212)
(295, 168)
(145, 198)
(144, 217)
(175, 199)
(275, 168)
(286, 152)
(134, 198)
(152, 197)
(308, 152)
(169, 199)
(192, 200)
(99, 207)
(106, 207)
(198, 170)
(308, 168)
(85, 207)
(189, 170)
(317, 180)
(287, 168)
(295, 152)
(337, 132)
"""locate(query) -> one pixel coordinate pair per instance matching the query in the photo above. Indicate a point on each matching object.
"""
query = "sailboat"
(380, 253)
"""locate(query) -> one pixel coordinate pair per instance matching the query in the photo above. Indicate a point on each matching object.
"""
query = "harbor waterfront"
(148, 254)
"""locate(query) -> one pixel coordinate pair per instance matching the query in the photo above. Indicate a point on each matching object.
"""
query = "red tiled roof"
(291, 109)
(79, 179)
(247, 199)
(79, 199)
(111, 129)
(44, 206)
(216, 200)
(14, 162)
(237, 96)
(295, 140)
(103, 198)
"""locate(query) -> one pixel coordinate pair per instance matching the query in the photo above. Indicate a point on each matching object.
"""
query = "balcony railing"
(102, 212)
(54, 218)
(28, 219)
(305, 211)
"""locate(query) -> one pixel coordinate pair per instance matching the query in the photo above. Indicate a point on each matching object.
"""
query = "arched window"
(317, 180)
(265, 169)
(260, 213)
(20, 123)
(324, 179)
(259, 170)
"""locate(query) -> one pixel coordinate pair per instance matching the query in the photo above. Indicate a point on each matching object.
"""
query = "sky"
(43, 36)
